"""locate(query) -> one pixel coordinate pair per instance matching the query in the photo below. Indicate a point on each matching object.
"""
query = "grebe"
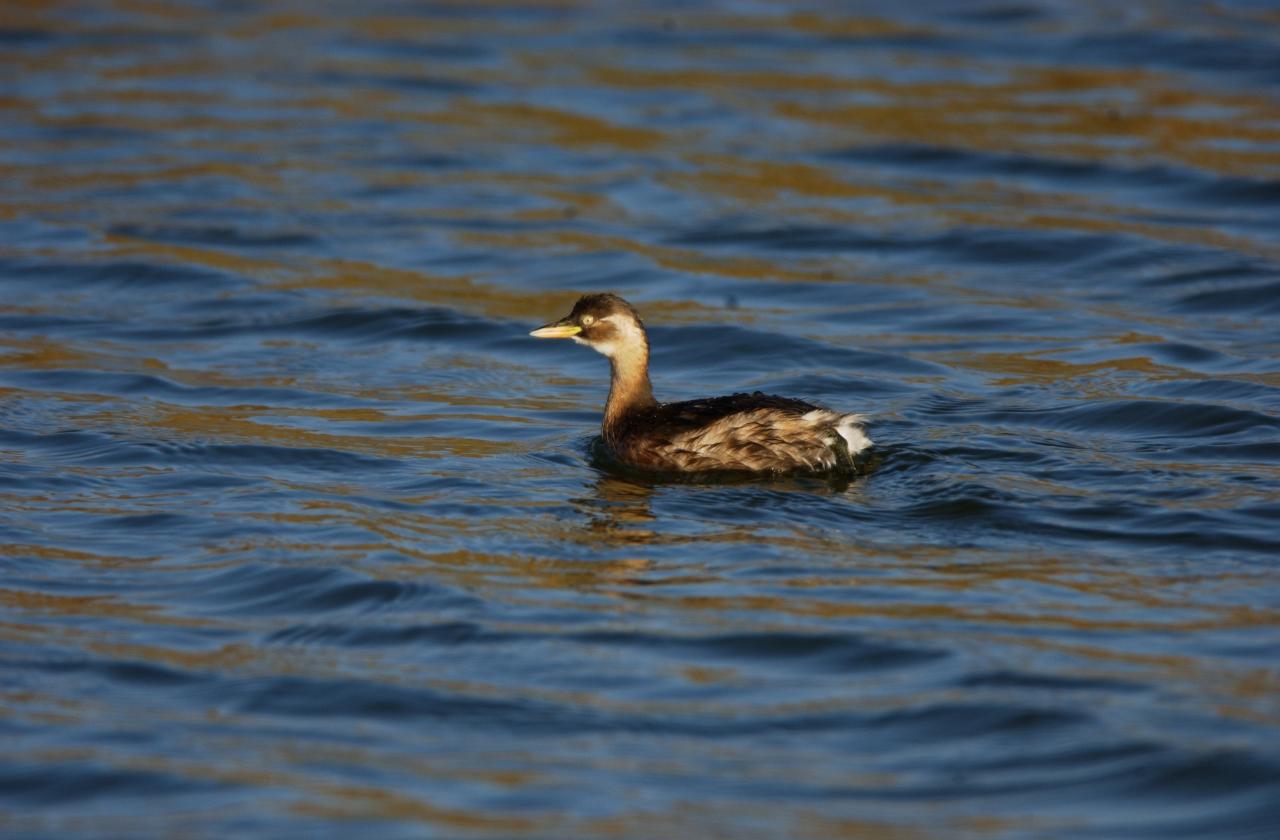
(744, 432)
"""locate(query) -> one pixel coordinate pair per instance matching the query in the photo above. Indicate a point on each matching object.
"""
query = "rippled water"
(303, 536)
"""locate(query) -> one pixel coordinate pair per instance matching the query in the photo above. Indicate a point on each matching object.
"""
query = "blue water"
(301, 535)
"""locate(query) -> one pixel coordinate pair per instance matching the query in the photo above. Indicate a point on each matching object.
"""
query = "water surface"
(301, 535)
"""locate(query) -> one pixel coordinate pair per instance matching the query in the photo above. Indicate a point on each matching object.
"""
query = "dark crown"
(602, 305)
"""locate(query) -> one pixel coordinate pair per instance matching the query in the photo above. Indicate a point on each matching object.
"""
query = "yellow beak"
(559, 329)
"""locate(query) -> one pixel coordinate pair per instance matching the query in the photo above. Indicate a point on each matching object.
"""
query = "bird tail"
(849, 427)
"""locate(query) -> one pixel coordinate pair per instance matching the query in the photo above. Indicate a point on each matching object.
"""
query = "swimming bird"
(756, 432)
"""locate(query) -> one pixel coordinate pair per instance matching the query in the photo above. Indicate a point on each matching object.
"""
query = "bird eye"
(588, 320)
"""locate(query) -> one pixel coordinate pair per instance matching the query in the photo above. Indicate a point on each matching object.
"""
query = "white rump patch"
(849, 427)
(846, 425)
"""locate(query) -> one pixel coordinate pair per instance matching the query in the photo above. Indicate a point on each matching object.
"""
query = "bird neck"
(629, 388)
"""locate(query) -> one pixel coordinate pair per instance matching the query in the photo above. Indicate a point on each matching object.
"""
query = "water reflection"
(619, 511)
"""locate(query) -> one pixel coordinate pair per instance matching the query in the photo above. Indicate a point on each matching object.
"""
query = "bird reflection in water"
(621, 509)
(620, 513)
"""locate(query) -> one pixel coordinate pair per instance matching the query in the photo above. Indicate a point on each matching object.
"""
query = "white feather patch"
(849, 427)
(846, 425)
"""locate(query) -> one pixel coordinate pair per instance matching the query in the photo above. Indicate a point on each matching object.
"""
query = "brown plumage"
(742, 432)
